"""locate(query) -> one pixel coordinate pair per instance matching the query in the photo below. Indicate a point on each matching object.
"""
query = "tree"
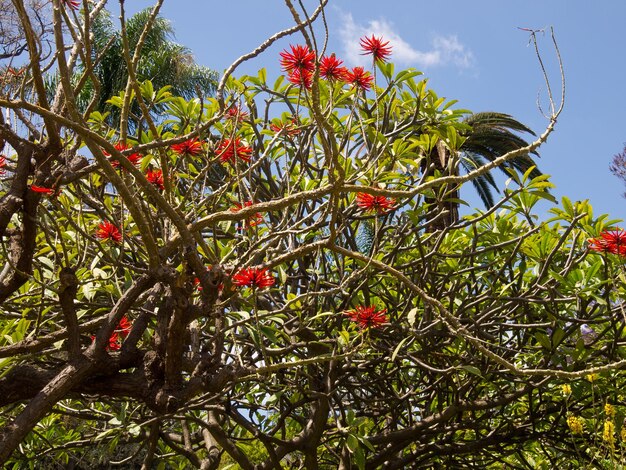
(161, 61)
(195, 294)
(12, 44)
(488, 137)
(493, 135)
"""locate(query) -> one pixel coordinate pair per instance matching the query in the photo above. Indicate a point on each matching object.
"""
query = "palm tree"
(162, 61)
(492, 135)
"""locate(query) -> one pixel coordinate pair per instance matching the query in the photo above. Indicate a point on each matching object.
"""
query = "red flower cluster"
(331, 69)
(190, 147)
(156, 178)
(119, 334)
(42, 190)
(253, 219)
(229, 149)
(108, 231)
(235, 113)
(3, 163)
(302, 78)
(371, 203)
(73, 4)
(367, 317)
(300, 58)
(299, 64)
(376, 47)
(359, 78)
(253, 277)
(610, 241)
(134, 158)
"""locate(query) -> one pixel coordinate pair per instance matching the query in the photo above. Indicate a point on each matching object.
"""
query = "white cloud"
(445, 50)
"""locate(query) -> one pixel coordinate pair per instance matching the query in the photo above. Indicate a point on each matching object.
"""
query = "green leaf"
(567, 205)
(411, 316)
(352, 442)
(89, 290)
(147, 90)
(472, 370)
(263, 76)
(359, 458)
(322, 315)
(282, 275)
(386, 68)
(344, 338)
(134, 430)
(365, 441)
(543, 340)
(397, 348)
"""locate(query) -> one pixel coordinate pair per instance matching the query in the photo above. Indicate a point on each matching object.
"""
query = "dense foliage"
(263, 280)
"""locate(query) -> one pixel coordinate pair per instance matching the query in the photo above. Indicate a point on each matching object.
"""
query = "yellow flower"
(576, 424)
(622, 433)
(608, 433)
(609, 410)
(566, 389)
(592, 377)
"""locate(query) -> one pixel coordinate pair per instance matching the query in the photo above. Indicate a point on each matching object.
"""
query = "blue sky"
(470, 51)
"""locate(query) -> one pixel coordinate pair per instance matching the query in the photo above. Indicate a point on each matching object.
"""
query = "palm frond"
(497, 120)
(484, 183)
(493, 135)
(162, 61)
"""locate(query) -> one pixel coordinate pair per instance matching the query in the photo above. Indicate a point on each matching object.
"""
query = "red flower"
(600, 245)
(156, 178)
(330, 68)
(615, 237)
(301, 78)
(359, 78)
(376, 47)
(288, 128)
(367, 317)
(300, 58)
(190, 147)
(73, 4)
(114, 342)
(134, 158)
(107, 231)
(253, 219)
(253, 277)
(16, 72)
(370, 203)
(228, 149)
(235, 113)
(124, 327)
(119, 334)
(610, 241)
(42, 190)
(3, 163)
